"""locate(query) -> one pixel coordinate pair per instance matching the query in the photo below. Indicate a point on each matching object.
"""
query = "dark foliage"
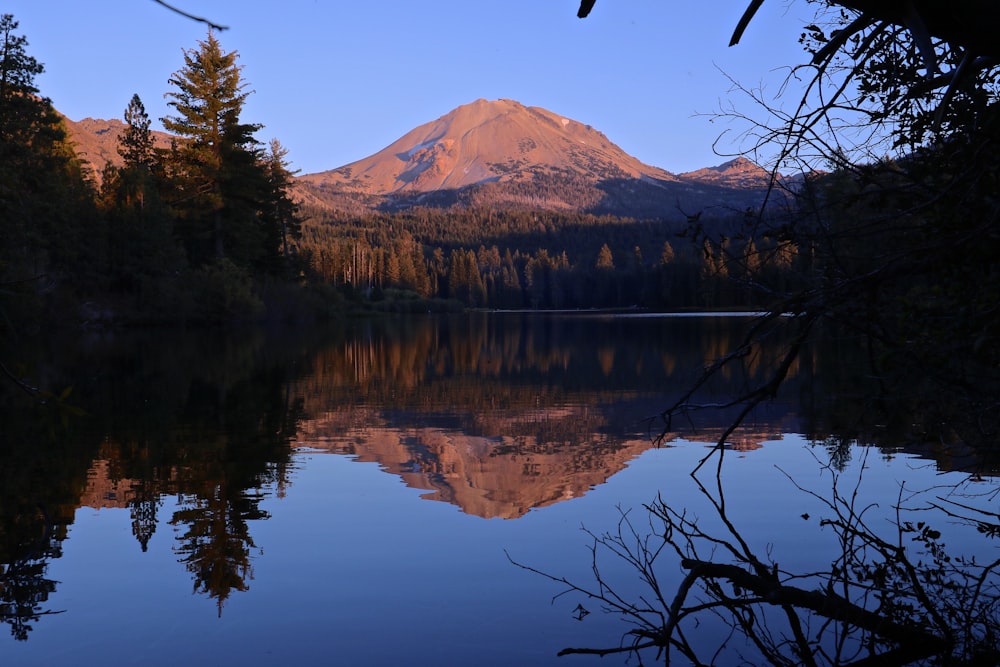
(195, 232)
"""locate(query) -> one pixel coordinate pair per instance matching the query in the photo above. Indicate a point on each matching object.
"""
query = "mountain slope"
(96, 142)
(484, 142)
(504, 155)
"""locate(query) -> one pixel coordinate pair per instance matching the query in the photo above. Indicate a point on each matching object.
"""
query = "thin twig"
(199, 19)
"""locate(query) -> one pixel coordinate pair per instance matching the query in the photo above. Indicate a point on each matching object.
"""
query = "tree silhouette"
(282, 208)
(42, 190)
(215, 156)
(135, 144)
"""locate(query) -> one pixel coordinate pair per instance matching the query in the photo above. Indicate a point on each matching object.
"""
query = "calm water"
(350, 496)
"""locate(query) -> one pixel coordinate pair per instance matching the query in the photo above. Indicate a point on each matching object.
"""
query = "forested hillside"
(483, 257)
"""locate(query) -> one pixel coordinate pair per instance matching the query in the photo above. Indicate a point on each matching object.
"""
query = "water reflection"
(24, 585)
(499, 414)
(205, 419)
(898, 584)
(39, 476)
(496, 414)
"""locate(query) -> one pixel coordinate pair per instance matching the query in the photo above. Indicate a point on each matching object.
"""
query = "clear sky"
(338, 81)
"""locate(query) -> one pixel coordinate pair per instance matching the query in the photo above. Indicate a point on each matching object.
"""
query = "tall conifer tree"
(26, 118)
(214, 166)
(135, 144)
(143, 255)
(282, 213)
(42, 190)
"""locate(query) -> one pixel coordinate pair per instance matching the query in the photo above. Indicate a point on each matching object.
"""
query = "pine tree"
(667, 256)
(143, 256)
(666, 272)
(25, 116)
(135, 144)
(43, 194)
(605, 260)
(214, 165)
(282, 213)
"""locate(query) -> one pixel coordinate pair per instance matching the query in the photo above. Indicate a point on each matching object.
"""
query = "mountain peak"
(740, 164)
(483, 142)
(737, 173)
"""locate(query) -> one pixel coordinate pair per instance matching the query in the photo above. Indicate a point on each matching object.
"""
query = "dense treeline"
(483, 257)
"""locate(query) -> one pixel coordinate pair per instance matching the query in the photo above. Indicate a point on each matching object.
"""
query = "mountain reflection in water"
(199, 435)
(504, 413)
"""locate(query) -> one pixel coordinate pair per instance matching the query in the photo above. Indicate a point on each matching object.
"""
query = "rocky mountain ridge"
(96, 142)
(739, 173)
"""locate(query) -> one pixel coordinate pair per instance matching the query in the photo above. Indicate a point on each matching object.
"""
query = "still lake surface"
(354, 495)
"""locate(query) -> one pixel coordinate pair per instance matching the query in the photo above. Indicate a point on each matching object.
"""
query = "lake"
(355, 494)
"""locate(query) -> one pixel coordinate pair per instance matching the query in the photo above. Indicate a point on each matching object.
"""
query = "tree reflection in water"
(24, 586)
(216, 544)
(39, 474)
(887, 597)
(238, 441)
(209, 420)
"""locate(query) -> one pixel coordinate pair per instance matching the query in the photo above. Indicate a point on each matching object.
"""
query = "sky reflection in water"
(347, 561)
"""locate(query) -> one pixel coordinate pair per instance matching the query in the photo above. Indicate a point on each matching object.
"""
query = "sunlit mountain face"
(489, 141)
(504, 154)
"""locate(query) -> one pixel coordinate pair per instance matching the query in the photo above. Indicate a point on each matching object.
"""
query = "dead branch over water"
(893, 599)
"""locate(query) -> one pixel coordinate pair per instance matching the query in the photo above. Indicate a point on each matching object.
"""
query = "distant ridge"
(740, 173)
(96, 142)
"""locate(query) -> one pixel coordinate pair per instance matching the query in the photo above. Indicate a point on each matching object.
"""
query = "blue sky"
(338, 81)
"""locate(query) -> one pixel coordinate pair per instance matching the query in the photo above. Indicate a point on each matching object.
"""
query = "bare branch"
(210, 24)
(825, 604)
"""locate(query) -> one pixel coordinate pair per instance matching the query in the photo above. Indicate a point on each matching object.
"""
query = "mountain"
(740, 174)
(96, 142)
(504, 154)
(497, 154)
(486, 142)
